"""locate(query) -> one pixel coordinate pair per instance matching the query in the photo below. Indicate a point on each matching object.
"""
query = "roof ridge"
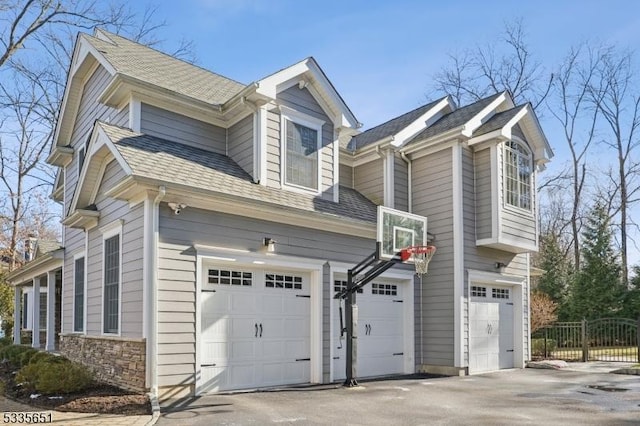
(118, 36)
(403, 115)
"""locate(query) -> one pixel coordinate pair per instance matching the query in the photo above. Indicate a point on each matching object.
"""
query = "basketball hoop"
(421, 256)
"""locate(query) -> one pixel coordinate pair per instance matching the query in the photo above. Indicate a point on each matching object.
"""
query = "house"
(208, 224)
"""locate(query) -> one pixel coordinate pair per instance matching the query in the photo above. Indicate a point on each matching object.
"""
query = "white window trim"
(111, 230)
(73, 303)
(288, 114)
(505, 205)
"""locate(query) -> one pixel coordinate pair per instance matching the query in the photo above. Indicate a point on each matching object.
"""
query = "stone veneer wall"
(115, 360)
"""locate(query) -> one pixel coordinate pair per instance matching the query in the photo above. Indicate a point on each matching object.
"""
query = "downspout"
(153, 306)
(409, 188)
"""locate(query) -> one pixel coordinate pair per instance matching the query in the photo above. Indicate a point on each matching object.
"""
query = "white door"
(490, 329)
(255, 329)
(380, 331)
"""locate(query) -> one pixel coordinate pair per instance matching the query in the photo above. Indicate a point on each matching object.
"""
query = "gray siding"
(346, 175)
(89, 110)
(433, 197)
(520, 226)
(368, 180)
(301, 100)
(401, 199)
(132, 251)
(483, 258)
(240, 143)
(273, 149)
(177, 272)
(483, 225)
(179, 128)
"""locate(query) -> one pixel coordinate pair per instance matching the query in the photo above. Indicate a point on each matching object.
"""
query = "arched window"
(517, 170)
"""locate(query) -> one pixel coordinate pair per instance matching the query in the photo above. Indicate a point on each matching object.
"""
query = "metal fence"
(605, 339)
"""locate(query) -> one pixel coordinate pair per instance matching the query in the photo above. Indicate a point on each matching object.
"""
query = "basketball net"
(421, 256)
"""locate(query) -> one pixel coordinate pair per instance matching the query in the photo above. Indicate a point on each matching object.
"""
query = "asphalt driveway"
(527, 397)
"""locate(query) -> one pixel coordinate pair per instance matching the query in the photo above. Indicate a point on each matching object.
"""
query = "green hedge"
(537, 347)
(57, 376)
(45, 372)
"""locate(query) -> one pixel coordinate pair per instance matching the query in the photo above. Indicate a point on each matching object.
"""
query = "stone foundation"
(117, 361)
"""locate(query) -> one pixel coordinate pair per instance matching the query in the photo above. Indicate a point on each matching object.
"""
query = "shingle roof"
(498, 121)
(389, 128)
(47, 246)
(172, 162)
(150, 65)
(454, 119)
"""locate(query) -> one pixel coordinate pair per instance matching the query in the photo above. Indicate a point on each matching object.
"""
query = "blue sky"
(380, 55)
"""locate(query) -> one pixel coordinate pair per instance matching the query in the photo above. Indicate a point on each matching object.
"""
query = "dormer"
(298, 131)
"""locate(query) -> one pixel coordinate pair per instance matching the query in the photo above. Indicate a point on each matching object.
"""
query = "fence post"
(585, 343)
(546, 331)
(638, 338)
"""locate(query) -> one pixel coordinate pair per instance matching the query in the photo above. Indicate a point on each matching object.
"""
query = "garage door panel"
(253, 330)
(491, 330)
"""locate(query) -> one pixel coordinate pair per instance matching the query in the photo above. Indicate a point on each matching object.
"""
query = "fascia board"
(239, 206)
(268, 86)
(424, 121)
(37, 267)
(426, 143)
(476, 121)
(83, 48)
(98, 140)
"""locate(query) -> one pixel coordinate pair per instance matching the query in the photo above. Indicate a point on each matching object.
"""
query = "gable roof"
(152, 66)
(390, 127)
(455, 118)
(169, 162)
(498, 120)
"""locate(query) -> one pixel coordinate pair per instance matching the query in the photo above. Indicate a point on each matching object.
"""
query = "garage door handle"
(260, 329)
(256, 326)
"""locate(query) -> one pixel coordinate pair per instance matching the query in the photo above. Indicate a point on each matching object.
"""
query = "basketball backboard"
(398, 230)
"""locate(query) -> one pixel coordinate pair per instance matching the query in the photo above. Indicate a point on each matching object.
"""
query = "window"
(478, 291)
(82, 151)
(292, 282)
(42, 319)
(500, 293)
(340, 285)
(517, 170)
(300, 150)
(111, 284)
(78, 295)
(25, 310)
(227, 277)
(301, 155)
(384, 289)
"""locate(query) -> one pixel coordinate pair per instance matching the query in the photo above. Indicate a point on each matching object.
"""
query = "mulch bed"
(100, 398)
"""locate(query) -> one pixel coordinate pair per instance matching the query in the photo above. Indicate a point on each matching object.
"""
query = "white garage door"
(491, 329)
(380, 331)
(255, 329)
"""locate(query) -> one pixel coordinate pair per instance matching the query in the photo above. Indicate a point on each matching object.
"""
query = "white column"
(51, 311)
(35, 324)
(17, 326)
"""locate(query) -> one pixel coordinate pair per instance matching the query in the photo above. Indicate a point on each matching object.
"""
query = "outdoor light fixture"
(500, 266)
(270, 244)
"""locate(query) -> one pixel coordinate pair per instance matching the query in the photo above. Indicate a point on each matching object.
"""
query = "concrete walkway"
(77, 419)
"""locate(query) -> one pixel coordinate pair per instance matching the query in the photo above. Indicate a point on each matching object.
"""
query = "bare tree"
(575, 84)
(477, 73)
(619, 105)
(23, 144)
(543, 311)
(31, 90)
